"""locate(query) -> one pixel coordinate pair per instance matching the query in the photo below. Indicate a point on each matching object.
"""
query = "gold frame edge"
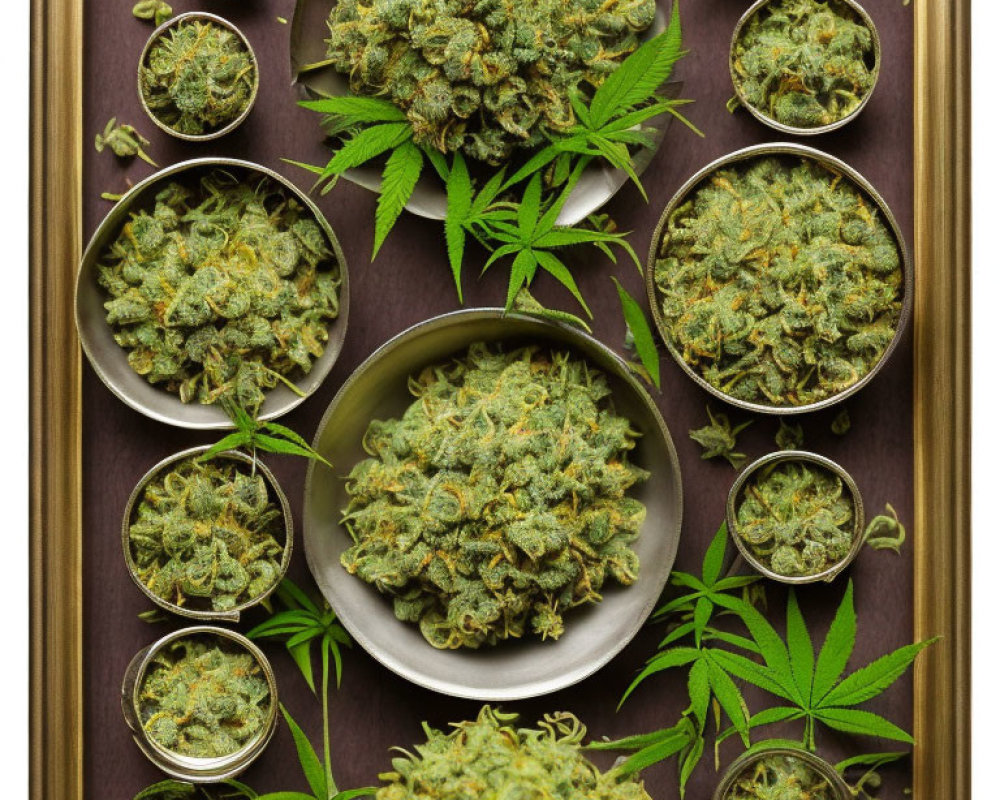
(942, 398)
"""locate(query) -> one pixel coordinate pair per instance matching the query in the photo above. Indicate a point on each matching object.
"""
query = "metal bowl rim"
(820, 765)
(793, 130)
(233, 614)
(622, 372)
(777, 457)
(90, 254)
(185, 767)
(864, 186)
(225, 23)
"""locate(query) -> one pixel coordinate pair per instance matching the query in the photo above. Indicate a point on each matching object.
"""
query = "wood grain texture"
(56, 748)
(942, 417)
(407, 283)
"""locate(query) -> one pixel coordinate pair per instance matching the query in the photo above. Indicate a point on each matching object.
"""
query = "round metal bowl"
(824, 770)
(194, 16)
(793, 130)
(862, 185)
(277, 496)
(857, 534)
(189, 768)
(597, 185)
(510, 670)
(110, 361)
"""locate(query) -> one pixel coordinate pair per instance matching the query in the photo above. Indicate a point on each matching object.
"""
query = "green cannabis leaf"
(300, 625)
(525, 303)
(254, 435)
(718, 438)
(640, 333)
(810, 684)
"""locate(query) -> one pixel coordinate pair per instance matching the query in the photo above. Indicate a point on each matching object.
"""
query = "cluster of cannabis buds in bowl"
(223, 290)
(498, 500)
(778, 281)
(483, 77)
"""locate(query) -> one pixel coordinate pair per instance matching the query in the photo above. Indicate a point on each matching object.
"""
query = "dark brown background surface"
(409, 282)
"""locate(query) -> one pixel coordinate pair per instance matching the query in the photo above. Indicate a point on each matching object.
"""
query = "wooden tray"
(909, 446)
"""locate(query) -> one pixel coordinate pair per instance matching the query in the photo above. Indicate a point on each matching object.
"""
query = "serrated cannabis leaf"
(399, 179)
(367, 144)
(253, 435)
(308, 760)
(642, 336)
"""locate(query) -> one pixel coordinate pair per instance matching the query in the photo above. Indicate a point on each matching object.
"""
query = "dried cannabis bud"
(796, 518)
(197, 77)
(718, 438)
(805, 63)
(201, 699)
(222, 291)
(780, 777)
(205, 535)
(157, 11)
(498, 500)
(484, 77)
(779, 282)
(490, 759)
(789, 436)
(123, 140)
(841, 423)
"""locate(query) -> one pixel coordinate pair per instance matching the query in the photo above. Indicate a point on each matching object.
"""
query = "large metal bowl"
(861, 184)
(747, 761)
(598, 184)
(110, 361)
(510, 670)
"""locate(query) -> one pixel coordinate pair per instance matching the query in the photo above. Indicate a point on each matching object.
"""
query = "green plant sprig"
(519, 226)
(252, 434)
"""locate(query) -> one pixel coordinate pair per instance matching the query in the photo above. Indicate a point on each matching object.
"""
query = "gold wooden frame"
(941, 411)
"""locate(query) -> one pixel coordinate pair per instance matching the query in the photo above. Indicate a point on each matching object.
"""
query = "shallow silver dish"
(512, 669)
(192, 16)
(277, 495)
(189, 768)
(857, 530)
(110, 361)
(866, 20)
(863, 186)
(598, 184)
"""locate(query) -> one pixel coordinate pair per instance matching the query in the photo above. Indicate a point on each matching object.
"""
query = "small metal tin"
(207, 615)
(866, 20)
(822, 768)
(597, 185)
(796, 151)
(511, 670)
(188, 768)
(193, 16)
(779, 457)
(110, 361)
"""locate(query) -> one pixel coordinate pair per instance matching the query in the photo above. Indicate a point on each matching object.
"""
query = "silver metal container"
(110, 361)
(863, 186)
(187, 768)
(865, 19)
(510, 670)
(277, 495)
(196, 16)
(782, 456)
(838, 787)
(597, 185)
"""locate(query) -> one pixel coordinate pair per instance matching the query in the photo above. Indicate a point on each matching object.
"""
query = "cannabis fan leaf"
(254, 435)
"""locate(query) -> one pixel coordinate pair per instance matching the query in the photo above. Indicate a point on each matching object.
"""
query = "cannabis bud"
(155, 10)
(198, 77)
(202, 699)
(498, 501)
(490, 758)
(718, 438)
(205, 535)
(805, 63)
(795, 518)
(483, 77)
(780, 777)
(123, 140)
(223, 290)
(779, 282)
